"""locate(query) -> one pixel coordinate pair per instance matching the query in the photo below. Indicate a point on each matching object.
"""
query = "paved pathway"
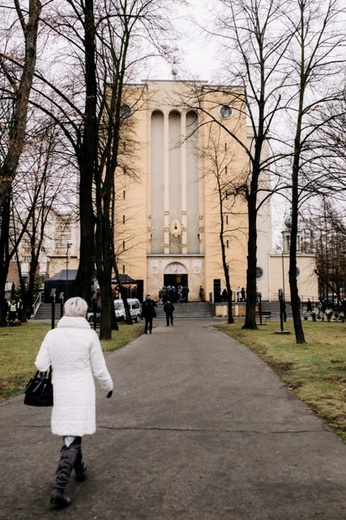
(199, 428)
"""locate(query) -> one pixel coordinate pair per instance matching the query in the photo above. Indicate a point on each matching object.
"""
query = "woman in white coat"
(74, 352)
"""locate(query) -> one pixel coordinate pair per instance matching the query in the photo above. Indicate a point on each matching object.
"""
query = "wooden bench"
(265, 314)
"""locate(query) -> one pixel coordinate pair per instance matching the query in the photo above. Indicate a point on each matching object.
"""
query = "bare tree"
(255, 42)
(220, 160)
(326, 238)
(107, 41)
(71, 99)
(316, 52)
(40, 186)
(18, 88)
(17, 66)
(331, 140)
(127, 26)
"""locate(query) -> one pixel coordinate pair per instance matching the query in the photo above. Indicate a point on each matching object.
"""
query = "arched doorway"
(176, 280)
(175, 274)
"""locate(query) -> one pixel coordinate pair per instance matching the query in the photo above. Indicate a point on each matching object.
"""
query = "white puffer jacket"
(74, 352)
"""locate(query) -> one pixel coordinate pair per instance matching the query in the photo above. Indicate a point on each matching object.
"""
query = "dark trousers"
(169, 318)
(148, 325)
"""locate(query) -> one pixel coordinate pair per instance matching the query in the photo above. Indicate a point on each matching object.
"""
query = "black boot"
(59, 499)
(68, 458)
(80, 467)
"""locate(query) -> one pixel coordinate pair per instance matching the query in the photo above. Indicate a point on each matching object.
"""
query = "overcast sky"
(196, 59)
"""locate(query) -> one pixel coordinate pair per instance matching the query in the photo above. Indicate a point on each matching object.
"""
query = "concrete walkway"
(199, 428)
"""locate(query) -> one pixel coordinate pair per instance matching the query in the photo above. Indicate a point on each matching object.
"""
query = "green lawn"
(315, 371)
(19, 347)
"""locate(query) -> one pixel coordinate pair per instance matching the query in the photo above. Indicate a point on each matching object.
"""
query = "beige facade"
(175, 160)
(175, 153)
(168, 210)
(306, 277)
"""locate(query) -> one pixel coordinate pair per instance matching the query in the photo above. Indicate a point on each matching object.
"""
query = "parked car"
(91, 316)
(119, 308)
(134, 307)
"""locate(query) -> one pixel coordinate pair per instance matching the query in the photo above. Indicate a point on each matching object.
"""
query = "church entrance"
(175, 280)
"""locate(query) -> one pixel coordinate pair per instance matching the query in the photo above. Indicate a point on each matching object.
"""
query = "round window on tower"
(225, 111)
(259, 272)
(125, 111)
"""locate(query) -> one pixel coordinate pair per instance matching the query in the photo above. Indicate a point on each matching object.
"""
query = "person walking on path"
(74, 352)
(169, 309)
(148, 313)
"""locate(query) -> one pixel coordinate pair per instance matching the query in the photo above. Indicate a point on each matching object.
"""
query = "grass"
(315, 371)
(19, 347)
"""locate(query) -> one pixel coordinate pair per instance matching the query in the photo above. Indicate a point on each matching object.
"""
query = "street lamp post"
(283, 270)
(68, 245)
(281, 293)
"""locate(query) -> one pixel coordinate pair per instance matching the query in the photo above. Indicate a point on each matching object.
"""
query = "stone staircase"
(45, 312)
(182, 310)
(190, 310)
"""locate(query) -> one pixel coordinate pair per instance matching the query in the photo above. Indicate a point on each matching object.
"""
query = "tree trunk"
(4, 240)
(229, 303)
(104, 262)
(229, 295)
(295, 301)
(251, 289)
(88, 162)
(226, 269)
(27, 293)
(122, 293)
(106, 306)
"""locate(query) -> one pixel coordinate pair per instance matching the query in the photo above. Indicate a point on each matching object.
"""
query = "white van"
(134, 307)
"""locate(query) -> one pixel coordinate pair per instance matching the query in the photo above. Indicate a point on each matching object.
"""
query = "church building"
(180, 186)
(177, 167)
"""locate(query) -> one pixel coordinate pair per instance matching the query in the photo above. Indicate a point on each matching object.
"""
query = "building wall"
(307, 279)
(60, 247)
(168, 218)
(167, 211)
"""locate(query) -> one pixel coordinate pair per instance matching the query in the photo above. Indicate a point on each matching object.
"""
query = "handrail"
(36, 304)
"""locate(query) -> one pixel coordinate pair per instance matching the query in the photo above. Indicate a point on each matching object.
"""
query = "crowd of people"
(241, 294)
(174, 294)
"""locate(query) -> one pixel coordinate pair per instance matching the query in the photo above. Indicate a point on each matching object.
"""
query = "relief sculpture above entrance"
(175, 268)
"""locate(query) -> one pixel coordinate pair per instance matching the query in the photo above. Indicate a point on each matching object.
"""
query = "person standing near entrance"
(201, 294)
(148, 313)
(185, 293)
(169, 309)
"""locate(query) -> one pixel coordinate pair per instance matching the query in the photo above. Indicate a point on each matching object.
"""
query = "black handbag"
(39, 390)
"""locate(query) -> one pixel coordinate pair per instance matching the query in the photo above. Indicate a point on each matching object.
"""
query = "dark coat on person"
(168, 308)
(148, 309)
